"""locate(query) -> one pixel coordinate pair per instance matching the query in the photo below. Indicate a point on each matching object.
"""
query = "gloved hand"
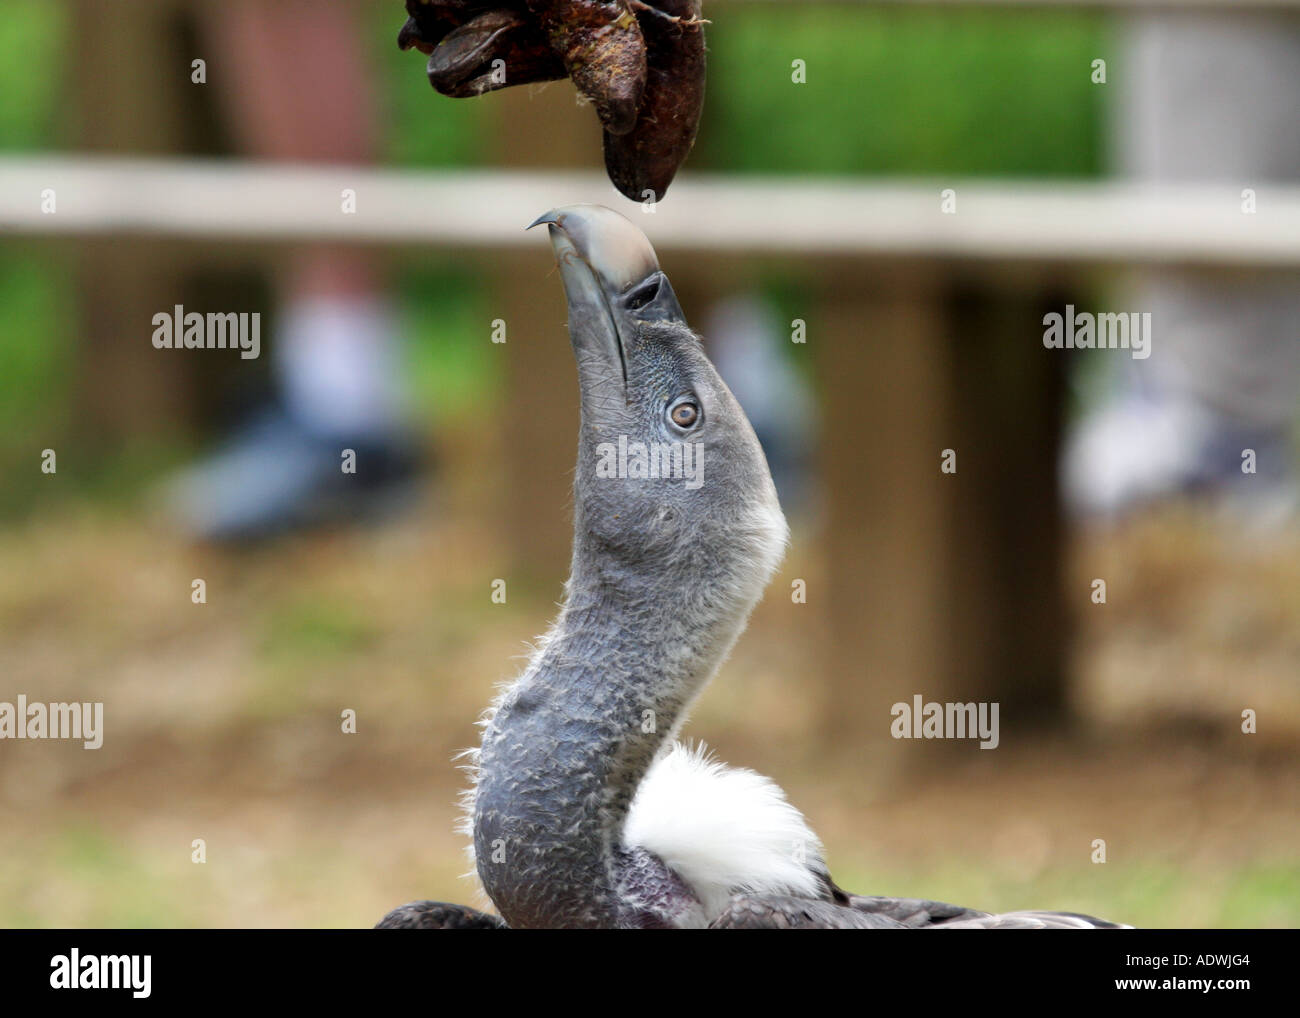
(642, 65)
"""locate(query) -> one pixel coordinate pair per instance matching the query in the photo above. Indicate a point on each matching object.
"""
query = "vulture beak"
(612, 282)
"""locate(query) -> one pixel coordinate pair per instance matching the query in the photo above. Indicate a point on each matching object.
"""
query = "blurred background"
(1120, 721)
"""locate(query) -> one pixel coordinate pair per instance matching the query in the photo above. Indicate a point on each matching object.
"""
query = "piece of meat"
(428, 21)
(643, 162)
(642, 65)
(492, 50)
(603, 50)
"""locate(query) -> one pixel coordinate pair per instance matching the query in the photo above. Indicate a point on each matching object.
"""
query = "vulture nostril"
(643, 295)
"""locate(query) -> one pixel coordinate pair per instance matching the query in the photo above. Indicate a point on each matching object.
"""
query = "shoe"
(275, 476)
(1148, 446)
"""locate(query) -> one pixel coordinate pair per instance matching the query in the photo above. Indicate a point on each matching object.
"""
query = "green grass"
(32, 34)
(312, 628)
(1145, 893)
(36, 369)
(35, 343)
(453, 370)
(932, 92)
(90, 877)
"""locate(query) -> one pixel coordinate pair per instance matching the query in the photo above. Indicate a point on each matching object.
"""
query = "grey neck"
(571, 741)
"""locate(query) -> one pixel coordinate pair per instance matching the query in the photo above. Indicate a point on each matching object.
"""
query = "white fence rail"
(1096, 222)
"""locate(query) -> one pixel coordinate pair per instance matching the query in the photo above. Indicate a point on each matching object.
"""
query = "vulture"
(584, 810)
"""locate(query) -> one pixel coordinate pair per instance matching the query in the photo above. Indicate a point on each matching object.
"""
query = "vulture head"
(672, 489)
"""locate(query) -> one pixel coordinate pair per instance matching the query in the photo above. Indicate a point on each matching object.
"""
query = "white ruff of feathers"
(722, 830)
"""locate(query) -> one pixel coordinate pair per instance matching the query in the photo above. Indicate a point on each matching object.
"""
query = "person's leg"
(1212, 99)
(293, 86)
(1204, 99)
(292, 78)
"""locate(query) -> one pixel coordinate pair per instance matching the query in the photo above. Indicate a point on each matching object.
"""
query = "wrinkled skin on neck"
(663, 578)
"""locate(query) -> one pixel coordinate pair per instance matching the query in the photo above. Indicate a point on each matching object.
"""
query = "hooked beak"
(612, 282)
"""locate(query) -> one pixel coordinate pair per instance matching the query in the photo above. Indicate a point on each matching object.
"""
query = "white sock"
(338, 365)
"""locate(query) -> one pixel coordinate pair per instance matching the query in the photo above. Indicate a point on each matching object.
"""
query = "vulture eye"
(684, 415)
(643, 294)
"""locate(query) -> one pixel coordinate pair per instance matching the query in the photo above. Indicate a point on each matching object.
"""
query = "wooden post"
(1008, 623)
(122, 107)
(941, 584)
(880, 352)
(538, 128)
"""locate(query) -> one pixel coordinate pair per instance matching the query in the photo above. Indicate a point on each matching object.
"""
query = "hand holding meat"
(640, 64)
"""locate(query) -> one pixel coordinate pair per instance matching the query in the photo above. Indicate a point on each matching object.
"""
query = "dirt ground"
(223, 725)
